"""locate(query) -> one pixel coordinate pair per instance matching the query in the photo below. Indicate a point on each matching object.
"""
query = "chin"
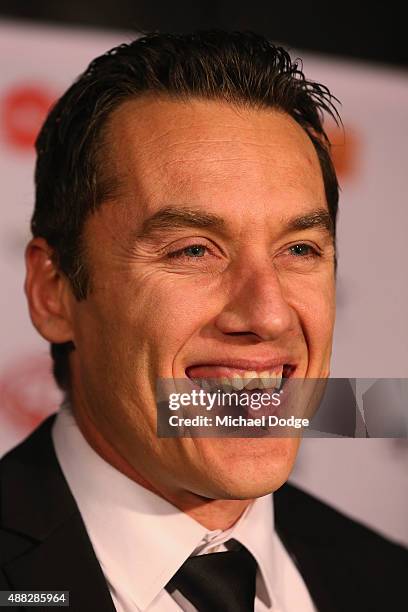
(246, 468)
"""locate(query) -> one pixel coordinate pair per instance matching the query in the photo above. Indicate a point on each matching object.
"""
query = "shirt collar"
(140, 539)
(255, 530)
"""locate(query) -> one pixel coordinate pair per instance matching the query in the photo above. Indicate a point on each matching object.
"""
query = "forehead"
(211, 153)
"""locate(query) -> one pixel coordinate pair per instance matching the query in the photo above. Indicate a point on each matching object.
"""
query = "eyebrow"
(173, 218)
(319, 218)
(170, 218)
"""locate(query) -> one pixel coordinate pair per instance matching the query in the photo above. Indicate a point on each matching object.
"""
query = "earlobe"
(48, 292)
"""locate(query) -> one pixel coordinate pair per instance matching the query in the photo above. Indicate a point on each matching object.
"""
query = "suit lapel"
(55, 552)
(64, 561)
(309, 566)
(302, 531)
(344, 564)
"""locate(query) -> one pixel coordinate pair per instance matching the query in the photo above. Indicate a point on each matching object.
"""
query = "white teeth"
(250, 375)
(226, 384)
(272, 382)
(237, 382)
(264, 379)
(279, 374)
(251, 380)
(205, 385)
(268, 379)
(253, 384)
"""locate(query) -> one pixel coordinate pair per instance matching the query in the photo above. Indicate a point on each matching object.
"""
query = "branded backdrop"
(364, 478)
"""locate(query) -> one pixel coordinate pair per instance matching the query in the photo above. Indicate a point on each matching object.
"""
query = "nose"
(256, 305)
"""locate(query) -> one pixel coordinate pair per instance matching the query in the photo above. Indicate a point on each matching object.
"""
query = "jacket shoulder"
(29, 448)
(321, 524)
(31, 489)
(343, 562)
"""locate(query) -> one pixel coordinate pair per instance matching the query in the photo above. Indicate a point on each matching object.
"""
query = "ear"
(48, 293)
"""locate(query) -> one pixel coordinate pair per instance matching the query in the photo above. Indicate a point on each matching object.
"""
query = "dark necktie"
(218, 582)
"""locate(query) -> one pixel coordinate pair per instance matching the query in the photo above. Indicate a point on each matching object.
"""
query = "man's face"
(199, 269)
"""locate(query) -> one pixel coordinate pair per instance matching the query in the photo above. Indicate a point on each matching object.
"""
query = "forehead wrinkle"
(296, 167)
(137, 170)
(157, 130)
(266, 150)
(269, 156)
(157, 137)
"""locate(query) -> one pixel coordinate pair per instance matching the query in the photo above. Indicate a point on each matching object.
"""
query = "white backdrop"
(365, 478)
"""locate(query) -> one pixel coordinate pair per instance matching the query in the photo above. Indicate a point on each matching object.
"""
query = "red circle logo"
(24, 110)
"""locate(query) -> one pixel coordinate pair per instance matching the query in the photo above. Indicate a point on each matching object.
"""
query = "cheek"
(314, 303)
(170, 310)
(150, 317)
(321, 325)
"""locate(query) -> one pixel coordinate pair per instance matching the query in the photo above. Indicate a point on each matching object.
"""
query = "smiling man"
(184, 228)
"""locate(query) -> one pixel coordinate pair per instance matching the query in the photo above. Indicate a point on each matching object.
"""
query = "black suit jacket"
(44, 544)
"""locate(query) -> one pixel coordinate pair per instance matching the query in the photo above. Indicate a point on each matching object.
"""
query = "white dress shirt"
(141, 540)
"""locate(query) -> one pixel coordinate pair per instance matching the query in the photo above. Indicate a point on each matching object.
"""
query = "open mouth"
(226, 378)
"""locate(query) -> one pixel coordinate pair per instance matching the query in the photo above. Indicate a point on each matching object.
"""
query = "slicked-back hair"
(241, 68)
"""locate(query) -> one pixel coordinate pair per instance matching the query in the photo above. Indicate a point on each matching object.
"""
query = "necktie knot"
(222, 582)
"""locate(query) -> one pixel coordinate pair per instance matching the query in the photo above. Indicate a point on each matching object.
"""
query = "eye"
(192, 251)
(196, 250)
(303, 250)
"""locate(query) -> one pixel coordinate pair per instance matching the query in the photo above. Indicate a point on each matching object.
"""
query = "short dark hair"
(241, 68)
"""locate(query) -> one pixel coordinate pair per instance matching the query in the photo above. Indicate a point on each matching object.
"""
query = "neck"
(211, 513)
